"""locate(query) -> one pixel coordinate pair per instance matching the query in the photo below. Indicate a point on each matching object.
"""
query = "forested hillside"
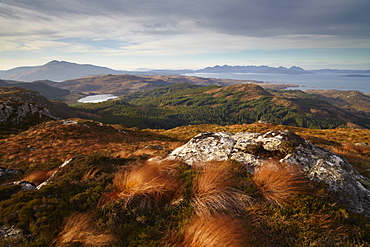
(125, 83)
(184, 104)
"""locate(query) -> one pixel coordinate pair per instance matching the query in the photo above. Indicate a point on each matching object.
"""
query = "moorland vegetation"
(117, 189)
(111, 195)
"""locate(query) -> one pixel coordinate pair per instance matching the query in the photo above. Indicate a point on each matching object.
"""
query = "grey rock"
(11, 232)
(205, 147)
(24, 185)
(9, 189)
(7, 172)
(15, 111)
(350, 188)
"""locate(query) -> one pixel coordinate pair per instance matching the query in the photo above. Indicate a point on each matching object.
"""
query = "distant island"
(254, 69)
(62, 70)
(355, 75)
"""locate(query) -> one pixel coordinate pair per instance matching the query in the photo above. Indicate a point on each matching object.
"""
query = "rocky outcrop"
(16, 112)
(351, 189)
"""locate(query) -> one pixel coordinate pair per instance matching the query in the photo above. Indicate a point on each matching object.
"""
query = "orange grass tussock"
(145, 185)
(278, 182)
(215, 190)
(217, 231)
(81, 229)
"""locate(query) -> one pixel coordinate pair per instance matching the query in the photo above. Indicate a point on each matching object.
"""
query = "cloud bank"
(169, 27)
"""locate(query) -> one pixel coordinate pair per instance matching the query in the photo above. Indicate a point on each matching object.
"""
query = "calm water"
(97, 98)
(307, 81)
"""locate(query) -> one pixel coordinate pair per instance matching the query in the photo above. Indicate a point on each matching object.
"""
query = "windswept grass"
(37, 177)
(278, 182)
(145, 185)
(81, 229)
(91, 173)
(217, 231)
(215, 190)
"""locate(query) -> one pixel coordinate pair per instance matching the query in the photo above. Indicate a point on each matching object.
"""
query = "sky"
(191, 34)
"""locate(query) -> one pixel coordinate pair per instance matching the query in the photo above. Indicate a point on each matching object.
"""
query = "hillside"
(49, 92)
(104, 192)
(184, 104)
(125, 83)
(353, 101)
(78, 182)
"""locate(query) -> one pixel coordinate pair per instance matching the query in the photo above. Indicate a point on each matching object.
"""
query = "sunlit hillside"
(97, 200)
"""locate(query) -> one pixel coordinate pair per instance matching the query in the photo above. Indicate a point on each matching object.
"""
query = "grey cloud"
(258, 18)
(269, 18)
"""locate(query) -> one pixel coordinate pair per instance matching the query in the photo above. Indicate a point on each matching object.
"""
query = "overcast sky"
(161, 34)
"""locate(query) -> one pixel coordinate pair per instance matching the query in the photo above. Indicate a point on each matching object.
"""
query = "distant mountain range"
(62, 70)
(55, 71)
(253, 69)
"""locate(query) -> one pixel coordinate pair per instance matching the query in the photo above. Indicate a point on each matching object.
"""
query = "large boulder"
(254, 149)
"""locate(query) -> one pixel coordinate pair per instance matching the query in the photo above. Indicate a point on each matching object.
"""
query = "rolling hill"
(123, 84)
(184, 104)
(49, 92)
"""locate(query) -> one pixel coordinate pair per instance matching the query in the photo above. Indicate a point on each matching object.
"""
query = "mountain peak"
(58, 71)
(55, 62)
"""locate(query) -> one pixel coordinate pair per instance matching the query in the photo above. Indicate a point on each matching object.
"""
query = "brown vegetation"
(81, 229)
(37, 177)
(278, 182)
(145, 185)
(215, 190)
(358, 155)
(216, 231)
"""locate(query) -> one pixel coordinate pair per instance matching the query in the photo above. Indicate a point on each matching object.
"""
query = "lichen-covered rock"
(205, 147)
(7, 172)
(254, 149)
(10, 233)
